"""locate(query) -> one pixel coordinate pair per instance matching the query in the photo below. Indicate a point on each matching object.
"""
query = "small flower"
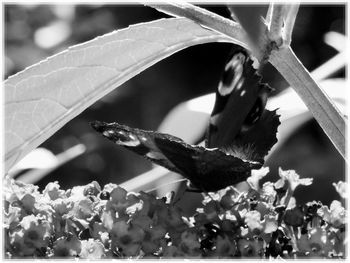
(122, 204)
(224, 247)
(336, 215)
(294, 179)
(28, 202)
(83, 208)
(170, 217)
(269, 224)
(98, 231)
(33, 235)
(252, 219)
(108, 218)
(315, 243)
(76, 193)
(92, 188)
(256, 176)
(44, 209)
(342, 188)
(153, 234)
(250, 248)
(12, 217)
(36, 231)
(18, 248)
(263, 208)
(69, 246)
(62, 206)
(109, 187)
(15, 190)
(190, 244)
(268, 192)
(318, 240)
(92, 249)
(118, 195)
(126, 239)
(151, 204)
(134, 204)
(53, 192)
(153, 239)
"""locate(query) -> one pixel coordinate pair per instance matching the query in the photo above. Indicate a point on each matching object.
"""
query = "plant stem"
(205, 18)
(291, 14)
(321, 107)
(269, 14)
(275, 27)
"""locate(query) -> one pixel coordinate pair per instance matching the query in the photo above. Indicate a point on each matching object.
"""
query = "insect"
(240, 133)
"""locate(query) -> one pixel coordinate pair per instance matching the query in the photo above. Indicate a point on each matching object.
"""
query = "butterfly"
(240, 133)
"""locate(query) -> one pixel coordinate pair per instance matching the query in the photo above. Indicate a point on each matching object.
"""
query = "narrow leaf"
(44, 97)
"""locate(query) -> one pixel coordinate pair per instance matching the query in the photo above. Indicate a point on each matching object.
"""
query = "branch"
(276, 23)
(269, 14)
(291, 15)
(321, 107)
(205, 18)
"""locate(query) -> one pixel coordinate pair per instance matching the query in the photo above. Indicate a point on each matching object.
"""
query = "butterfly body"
(240, 133)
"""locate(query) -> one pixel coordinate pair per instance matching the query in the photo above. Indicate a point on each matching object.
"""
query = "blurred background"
(34, 32)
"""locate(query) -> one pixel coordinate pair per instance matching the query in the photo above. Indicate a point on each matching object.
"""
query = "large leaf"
(42, 98)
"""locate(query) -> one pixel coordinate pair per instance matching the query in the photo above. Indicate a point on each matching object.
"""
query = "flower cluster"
(92, 223)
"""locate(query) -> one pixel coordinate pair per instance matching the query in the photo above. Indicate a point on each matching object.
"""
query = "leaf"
(44, 97)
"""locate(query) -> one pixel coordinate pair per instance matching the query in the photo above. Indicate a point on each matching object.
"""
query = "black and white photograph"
(174, 130)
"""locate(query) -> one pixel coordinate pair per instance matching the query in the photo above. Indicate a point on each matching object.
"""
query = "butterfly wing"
(239, 123)
(254, 143)
(139, 141)
(240, 133)
(208, 170)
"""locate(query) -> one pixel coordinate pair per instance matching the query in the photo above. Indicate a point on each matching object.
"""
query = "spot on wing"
(108, 133)
(240, 84)
(125, 139)
(232, 75)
